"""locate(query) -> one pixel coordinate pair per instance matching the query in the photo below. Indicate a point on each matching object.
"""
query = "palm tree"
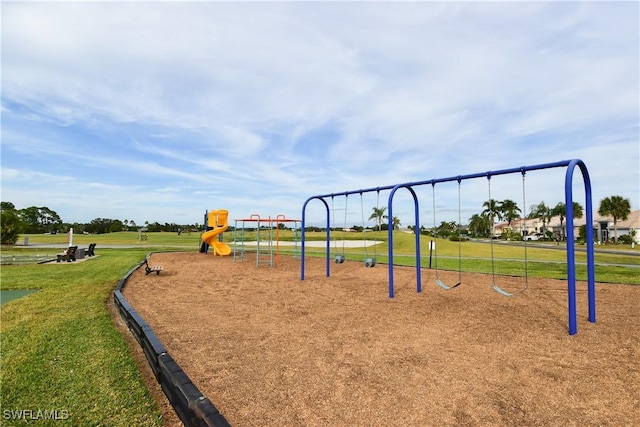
(560, 209)
(542, 212)
(510, 210)
(479, 225)
(616, 206)
(395, 222)
(492, 210)
(378, 215)
(444, 229)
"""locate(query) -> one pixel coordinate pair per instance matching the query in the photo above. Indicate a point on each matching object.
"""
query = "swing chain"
(339, 258)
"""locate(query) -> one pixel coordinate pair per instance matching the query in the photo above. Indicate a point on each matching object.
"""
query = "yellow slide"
(219, 221)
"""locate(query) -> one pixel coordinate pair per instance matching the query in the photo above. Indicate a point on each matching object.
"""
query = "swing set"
(570, 166)
(526, 261)
(435, 251)
(369, 261)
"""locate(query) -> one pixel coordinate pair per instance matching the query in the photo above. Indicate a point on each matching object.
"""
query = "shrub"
(11, 226)
(459, 238)
(625, 239)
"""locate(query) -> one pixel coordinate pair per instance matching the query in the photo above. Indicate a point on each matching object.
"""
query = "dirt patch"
(269, 349)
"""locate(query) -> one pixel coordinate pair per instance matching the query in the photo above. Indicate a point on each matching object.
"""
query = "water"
(6, 296)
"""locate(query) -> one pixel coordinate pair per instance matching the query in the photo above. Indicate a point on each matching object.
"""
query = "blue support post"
(571, 263)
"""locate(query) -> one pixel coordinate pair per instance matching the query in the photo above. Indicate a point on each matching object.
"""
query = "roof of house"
(577, 222)
(632, 221)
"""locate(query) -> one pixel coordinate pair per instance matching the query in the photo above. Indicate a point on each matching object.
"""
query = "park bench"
(90, 250)
(68, 255)
(148, 269)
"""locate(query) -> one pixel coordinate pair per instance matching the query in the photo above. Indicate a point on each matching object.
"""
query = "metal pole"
(430, 252)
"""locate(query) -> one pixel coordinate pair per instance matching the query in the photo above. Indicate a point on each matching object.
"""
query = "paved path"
(308, 243)
(319, 243)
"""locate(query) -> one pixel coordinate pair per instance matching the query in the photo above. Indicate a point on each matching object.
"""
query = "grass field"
(61, 352)
(547, 260)
(61, 356)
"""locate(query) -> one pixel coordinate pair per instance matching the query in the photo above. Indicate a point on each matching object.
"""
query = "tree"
(560, 209)
(7, 205)
(445, 229)
(479, 225)
(99, 226)
(11, 224)
(395, 222)
(378, 215)
(40, 219)
(115, 226)
(492, 210)
(510, 210)
(77, 227)
(541, 211)
(617, 207)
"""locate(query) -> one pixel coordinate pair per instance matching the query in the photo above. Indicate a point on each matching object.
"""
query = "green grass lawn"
(547, 260)
(61, 352)
(59, 348)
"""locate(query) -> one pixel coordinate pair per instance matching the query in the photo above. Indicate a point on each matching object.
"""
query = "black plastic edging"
(192, 407)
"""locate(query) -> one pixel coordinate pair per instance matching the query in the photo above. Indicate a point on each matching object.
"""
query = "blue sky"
(159, 111)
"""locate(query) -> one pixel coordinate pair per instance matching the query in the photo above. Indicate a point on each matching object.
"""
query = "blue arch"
(302, 236)
(416, 232)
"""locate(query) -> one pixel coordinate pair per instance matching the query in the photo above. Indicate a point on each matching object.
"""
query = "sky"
(160, 111)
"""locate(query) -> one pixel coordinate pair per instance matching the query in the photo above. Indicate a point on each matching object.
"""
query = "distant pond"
(10, 295)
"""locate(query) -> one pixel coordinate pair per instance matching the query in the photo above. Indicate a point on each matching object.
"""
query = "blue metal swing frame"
(570, 166)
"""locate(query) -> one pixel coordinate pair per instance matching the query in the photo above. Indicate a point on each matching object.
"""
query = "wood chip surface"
(271, 350)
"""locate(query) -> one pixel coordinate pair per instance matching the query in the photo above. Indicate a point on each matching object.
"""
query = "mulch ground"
(269, 349)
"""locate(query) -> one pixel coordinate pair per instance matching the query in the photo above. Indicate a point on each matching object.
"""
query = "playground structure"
(267, 238)
(570, 166)
(216, 223)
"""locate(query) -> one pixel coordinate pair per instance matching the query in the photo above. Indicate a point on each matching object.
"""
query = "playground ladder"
(238, 254)
(264, 250)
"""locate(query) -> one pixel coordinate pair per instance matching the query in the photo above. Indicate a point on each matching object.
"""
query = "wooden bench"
(148, 269)
(68, 255)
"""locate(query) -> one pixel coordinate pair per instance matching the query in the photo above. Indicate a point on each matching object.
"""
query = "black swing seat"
(370, 262)
(151, 269)
(339, 259)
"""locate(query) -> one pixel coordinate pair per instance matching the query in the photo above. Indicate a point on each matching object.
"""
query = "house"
(522, 226)
(558, 228)
(604, 229)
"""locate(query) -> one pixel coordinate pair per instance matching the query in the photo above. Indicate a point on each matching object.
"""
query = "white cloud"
(262, 105)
